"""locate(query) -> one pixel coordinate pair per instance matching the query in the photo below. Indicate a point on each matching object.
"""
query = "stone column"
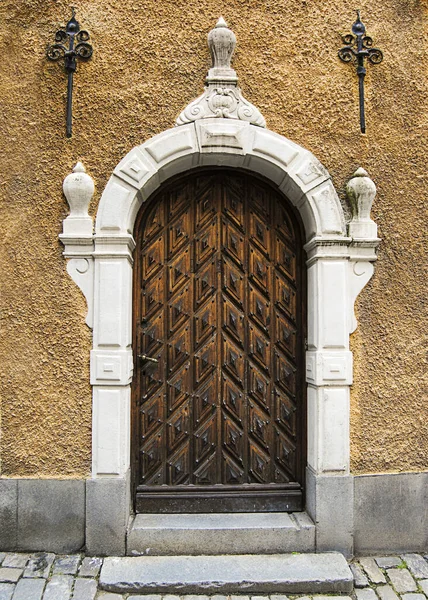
(329, 375)
(108, 492)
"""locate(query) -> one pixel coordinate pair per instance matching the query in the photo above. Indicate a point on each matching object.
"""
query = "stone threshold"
(228, 574)
(220, 533)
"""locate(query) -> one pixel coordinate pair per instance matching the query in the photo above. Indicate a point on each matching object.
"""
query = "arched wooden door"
(219, 304)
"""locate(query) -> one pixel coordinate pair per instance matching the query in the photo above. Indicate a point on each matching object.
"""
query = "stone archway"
(339, 265)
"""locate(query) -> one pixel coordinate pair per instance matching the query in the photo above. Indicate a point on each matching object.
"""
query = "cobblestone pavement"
(45, 576)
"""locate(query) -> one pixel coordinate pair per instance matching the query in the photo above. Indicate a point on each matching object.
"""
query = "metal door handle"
(148, 359)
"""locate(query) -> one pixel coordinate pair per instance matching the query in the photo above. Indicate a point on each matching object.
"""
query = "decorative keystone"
(78, 189)
(222, 97)
(361, 192)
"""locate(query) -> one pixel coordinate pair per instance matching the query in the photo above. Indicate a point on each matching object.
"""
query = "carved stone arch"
(339, 261)
(296, 172)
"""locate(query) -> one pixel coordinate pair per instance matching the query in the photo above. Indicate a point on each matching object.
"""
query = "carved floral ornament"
(222, 97)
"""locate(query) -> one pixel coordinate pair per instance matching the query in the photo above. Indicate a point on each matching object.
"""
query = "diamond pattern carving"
(179, 349)
(152, 415)
(285, 296)
(285, 335)
(179, 310)
(259, 348)
(259, 465)
(152, 298)
(259, 387)
(259, 426)
(205, 402)
(233, 360)
(178, 467)
(206, 243)
(233, 439)
(218, 297)
(283, 224)
(205, 283)
(206, 440)
(233, 243)
(178, 233)
(205, 323)
(233, 283)
(233, 205)
(178, 427)
(205, 360)
(155, 222)
(232, 474)
(259, 309)
(232, 398)
(151, 379)
(259, 233)
(233, 322)
(179, 271)
(177, 199)
(206, 474)
(285, 413)
(285, 259)
(153, 259)
(285, 373)
(151, 458)
(152, 335)
(286, 453)
(178, 388)
(259, 270)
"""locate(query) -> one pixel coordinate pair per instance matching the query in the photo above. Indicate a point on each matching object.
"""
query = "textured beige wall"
(150, 59)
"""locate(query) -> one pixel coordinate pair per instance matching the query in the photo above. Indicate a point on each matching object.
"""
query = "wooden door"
(219, 295)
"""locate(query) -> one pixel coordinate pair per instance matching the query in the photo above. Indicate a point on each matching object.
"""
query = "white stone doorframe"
(339, 261)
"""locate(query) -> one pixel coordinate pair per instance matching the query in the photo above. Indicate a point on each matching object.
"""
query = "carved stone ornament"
(361, 192)
(222, 97)
(78, 189)
(77, 233)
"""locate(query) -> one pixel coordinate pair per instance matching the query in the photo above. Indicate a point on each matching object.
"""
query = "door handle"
(148, 364)
(148, 359)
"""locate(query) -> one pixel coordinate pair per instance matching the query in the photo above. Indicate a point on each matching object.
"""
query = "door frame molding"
(339, 266)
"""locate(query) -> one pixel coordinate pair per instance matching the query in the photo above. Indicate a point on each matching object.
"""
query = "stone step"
(228, 574)
(222, 533)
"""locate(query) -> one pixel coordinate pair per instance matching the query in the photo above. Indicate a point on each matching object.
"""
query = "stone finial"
(77, 233)
(222, 97)
(361, 192)
(221, 42)
(78, 189)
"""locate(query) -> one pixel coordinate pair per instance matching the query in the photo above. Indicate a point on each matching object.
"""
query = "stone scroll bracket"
(361, 192)
(77, 235)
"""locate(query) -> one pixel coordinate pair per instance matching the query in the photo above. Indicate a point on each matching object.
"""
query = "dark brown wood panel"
(219, 297)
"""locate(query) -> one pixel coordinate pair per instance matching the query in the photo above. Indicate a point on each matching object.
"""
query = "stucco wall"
(150, 59)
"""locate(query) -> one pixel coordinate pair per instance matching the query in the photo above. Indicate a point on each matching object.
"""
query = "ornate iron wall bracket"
(83, 50)
(359, 47)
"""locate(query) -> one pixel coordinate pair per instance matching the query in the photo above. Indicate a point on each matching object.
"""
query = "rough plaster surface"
(150, 59)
